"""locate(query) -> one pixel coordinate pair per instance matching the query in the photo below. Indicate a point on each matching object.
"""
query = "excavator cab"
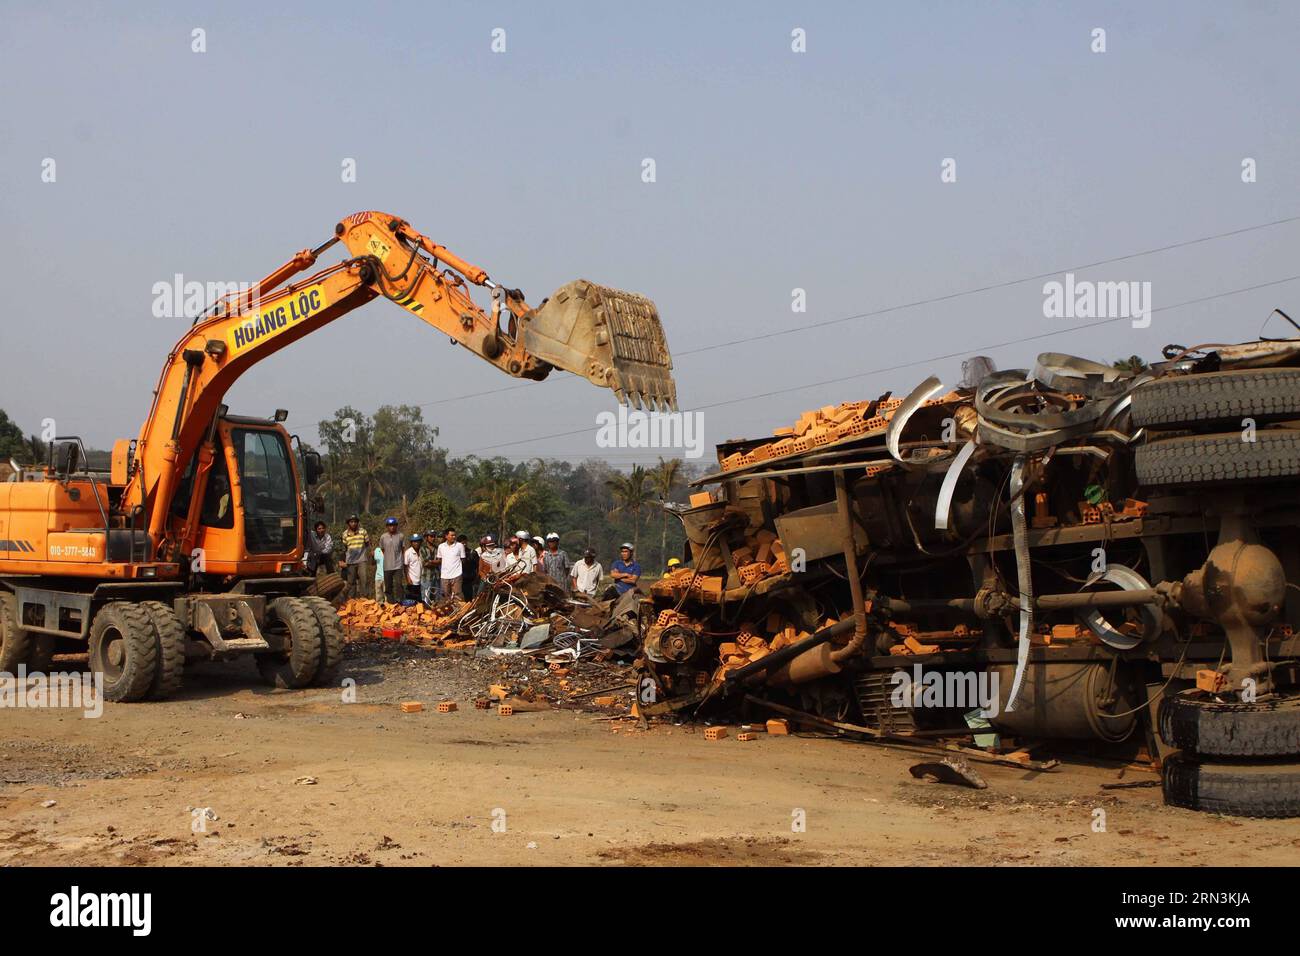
(250, 510)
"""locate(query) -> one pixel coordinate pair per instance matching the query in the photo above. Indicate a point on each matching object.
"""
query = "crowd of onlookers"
(433, 566)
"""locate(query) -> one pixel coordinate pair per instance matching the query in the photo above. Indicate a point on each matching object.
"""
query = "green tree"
(430, 511)
(665, 478)
(37, 450)
(632, 494)
(498, 494)
(401, 449)
(1133, 363)
(12, 442)
(344, 437)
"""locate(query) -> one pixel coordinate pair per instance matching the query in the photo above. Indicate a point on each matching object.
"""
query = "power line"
(904, 305)
(989, 288)
(933, 358)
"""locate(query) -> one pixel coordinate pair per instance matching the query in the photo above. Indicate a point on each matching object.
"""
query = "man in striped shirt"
(355, 545)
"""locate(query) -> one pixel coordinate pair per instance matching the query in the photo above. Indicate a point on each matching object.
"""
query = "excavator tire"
(14, 641)
(297, 666)
(18, 646)
(327, 586)
(331, 640)
(124, 649)
(1196, 725)
(1265, 394)
(170, 639)
(1236, 789)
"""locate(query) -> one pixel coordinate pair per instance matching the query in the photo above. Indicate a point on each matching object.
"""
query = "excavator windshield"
(269, 492)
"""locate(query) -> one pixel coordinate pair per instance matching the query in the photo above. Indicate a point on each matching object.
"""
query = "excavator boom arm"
(613, 339)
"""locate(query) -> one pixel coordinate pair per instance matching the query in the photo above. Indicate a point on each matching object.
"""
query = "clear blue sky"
(775, 170)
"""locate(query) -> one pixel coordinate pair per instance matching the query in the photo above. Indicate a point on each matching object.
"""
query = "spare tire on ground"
(1226, 457)
(1264, 394)
(1196, 724)
(329, 586)
(1237, 789)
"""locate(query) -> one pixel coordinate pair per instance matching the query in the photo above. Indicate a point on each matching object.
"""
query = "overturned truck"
(1072, 552)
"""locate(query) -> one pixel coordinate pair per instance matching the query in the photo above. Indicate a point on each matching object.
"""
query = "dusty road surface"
(302, 778)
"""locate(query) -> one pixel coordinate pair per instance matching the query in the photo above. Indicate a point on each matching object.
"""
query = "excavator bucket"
(611, 338)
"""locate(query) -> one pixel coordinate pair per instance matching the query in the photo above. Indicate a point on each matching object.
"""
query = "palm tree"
(632, 493)
(334, 486)
(35, 449)
(665, 478)
(371, 472)
(497, 495)
(1133, 363)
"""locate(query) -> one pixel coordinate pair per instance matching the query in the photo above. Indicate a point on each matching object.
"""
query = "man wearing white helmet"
(555, 562)
(526, 562)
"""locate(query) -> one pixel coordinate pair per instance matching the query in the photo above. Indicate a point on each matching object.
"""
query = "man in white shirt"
(512, 564)
(414, 567)
(587, 574)
(527, 559)
(451, 556)
(492, 559)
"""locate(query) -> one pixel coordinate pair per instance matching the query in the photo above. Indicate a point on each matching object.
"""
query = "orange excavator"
(191, 545)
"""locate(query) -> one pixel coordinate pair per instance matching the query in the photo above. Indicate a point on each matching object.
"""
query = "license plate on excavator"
(611, 338)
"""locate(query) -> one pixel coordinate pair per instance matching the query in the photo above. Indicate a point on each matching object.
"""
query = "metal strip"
(918, 397)
(1024, 579)
(1128, 580)
(1069, 373)
(949, 486)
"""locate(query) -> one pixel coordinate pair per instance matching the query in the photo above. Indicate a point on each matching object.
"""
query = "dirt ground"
(302, 778)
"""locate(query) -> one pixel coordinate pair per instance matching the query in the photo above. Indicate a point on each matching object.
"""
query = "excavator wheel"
(331, 643)
(124, 649)
(297, 666)
(18, 646)
(170, 639)
(13, 639)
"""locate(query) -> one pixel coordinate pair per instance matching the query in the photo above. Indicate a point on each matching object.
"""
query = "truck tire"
(297, 666)
(1236, 789)
(1204, 459)
(1212, 729)
(169, 637)
(124, 650)
(1264, 394)
(331, 642)
(19, 646)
